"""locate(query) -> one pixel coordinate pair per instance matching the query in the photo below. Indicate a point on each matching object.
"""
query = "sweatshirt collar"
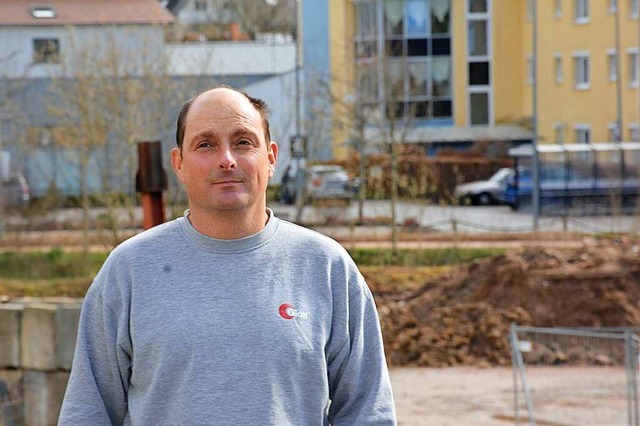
(216, 245)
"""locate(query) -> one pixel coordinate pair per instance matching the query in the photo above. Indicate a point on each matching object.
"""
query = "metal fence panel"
(566, 376)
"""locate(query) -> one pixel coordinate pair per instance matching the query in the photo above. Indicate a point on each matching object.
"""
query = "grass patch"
(53, 264)
(58, 273)
(397, 278)
(60, 287)
(421, 257)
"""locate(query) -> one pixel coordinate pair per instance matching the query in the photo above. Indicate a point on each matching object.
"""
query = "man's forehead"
(225, 102)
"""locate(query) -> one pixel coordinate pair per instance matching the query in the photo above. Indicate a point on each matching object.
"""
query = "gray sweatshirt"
(278, 328)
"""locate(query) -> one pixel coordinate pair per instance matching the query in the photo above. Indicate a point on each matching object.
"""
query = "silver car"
(484, 192)
(324, 182)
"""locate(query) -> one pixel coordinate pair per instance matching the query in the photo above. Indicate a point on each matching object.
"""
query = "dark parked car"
(14, 191)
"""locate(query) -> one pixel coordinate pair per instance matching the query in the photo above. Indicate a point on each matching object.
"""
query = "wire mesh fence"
(10, 406)
(565, 376)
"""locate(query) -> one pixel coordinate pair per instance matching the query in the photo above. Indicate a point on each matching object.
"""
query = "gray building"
(81, 82)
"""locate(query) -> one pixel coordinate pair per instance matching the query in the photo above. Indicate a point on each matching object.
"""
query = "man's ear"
(273, 157)
(176, 163)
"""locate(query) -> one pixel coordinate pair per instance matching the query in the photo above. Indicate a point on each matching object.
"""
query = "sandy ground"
(453, 396)
(457, 396)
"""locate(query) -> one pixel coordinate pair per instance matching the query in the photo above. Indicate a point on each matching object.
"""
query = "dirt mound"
(463, 318)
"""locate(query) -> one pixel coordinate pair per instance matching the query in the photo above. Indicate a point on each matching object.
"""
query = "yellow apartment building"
(458, 71)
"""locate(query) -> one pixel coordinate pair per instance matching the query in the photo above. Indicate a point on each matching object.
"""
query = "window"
(393, 17)
(441, 16)
(441, 76)
(632, 57)
(612, 65)
(530, 10)
(557, 63)
(582, 133)
(633, 9)
(581, 11)
(477, 6)
(634, 132)
(479, 74)
(557, 10)
(412, 38)
(416, 13)
(530, 70)
(558, 133)
(43, 12)
(479, 108)
(477, 34)
(613, 6)
(46, 50)
(613, 132)
(418, 81)
(200, 5)
(581, 71)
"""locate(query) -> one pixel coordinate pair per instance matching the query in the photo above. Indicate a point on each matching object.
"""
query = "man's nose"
(227, 160)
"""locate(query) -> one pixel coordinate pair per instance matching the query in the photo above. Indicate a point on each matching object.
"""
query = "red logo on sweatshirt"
(288, 312)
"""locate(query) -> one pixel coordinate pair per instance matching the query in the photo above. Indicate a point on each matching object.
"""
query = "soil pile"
(463, 318)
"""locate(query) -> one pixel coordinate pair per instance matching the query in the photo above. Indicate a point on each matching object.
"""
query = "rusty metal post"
(151, 180)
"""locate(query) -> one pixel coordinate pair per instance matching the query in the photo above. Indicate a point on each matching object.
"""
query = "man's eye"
(244, 142)
(204, 145)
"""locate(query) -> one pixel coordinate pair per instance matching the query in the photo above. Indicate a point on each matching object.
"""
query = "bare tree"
(106, 102)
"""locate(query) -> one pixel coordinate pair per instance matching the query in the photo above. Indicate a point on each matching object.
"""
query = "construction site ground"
(457, 327)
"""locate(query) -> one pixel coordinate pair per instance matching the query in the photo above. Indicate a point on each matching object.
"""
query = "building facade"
(459, 71)
(587, 69)
(82, 82)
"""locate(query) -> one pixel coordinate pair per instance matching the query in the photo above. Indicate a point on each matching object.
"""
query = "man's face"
(225, 163)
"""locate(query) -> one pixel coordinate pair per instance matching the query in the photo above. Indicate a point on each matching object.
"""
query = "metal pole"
(298, 66)
(514, 362)
(634, 382)
(151, 180)
(618, 133)
(628, 361)
(631, 356)
(535, 193)
(299, 56)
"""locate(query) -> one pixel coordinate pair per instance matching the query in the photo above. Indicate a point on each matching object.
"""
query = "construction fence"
(575, 376)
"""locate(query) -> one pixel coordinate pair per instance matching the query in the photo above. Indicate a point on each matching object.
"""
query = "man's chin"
(231, 204)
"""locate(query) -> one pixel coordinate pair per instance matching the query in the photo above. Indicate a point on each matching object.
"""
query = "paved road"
(440, 219)
(466, 219)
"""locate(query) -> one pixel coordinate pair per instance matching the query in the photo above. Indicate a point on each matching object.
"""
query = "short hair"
(258, 104)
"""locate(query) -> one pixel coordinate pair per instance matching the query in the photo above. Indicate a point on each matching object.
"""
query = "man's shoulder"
(149, 239)
(300, 235)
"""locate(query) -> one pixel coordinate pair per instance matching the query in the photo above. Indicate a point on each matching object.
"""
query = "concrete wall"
(37, 342)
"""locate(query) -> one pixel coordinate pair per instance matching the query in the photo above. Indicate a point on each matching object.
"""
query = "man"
(228, 316)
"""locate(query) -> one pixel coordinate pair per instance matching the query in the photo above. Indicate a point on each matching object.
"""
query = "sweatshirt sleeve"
(359, 384)
(97, 390)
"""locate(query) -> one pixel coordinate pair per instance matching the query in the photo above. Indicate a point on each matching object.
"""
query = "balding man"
(228, 315)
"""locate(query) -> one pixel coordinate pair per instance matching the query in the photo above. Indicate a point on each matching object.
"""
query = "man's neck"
(228, 225)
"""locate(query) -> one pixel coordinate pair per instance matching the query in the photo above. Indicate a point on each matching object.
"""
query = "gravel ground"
(460, 396)
(453, 396)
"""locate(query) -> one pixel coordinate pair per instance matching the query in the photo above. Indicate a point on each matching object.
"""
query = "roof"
(230, 58)
(430, 134)
(84, 12)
